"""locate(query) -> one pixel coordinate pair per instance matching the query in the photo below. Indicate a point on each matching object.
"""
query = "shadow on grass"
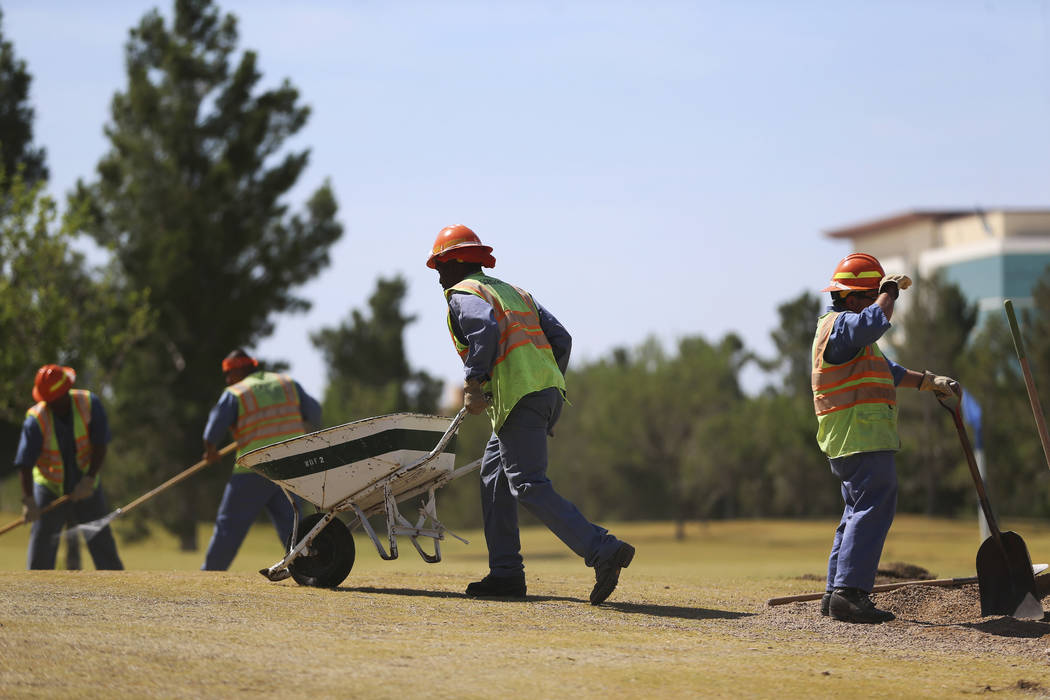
(678, 611)
(1002, 627)
(1009, 627)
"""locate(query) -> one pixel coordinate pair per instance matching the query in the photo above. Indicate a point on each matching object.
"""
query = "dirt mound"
(933, 604)
(893, 572)
(943, 618)
(900, 571)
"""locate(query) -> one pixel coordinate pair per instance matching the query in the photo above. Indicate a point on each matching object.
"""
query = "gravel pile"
(929, 618)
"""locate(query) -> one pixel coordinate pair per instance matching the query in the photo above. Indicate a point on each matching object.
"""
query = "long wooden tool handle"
(175, 479)
(982, 495)
(883, 587)
(1029, 382)
(49, 507)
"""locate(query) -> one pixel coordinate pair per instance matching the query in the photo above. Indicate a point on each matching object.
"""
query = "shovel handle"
(46, 509)
(982, 495)
(1029, 382)
(882, 587)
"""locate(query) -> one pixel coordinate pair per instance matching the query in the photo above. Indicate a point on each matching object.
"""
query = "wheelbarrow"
(365, 467)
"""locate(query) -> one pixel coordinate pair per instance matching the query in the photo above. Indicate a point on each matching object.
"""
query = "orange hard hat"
(52, 382)
(460, 243)
(856, 272)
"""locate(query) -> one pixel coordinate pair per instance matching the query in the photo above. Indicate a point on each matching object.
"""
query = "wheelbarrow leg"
(367, 527)
(279, 571)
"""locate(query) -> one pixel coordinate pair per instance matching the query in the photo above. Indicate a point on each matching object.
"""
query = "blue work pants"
(245, 495)
(869, 490)
(513, 471)
(47, 530)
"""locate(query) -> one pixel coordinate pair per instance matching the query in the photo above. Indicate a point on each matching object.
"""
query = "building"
(991, 255)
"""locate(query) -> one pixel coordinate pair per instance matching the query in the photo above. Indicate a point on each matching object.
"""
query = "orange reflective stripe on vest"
(524, 361)
(269, 411)
(49, 469)
(856, 401)
(517, 327)
(864, 379)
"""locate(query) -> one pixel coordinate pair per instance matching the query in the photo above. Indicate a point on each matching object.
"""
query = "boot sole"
(624, 557)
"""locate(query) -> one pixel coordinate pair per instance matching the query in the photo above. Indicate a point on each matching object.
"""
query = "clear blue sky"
(656, 168)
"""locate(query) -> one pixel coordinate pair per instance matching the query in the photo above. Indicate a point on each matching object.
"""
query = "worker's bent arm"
(98, 454)
(211, 452)
(27, 481)
(911, 379)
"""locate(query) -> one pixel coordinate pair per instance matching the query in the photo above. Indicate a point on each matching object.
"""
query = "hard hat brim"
(70, 373)
(468, 252)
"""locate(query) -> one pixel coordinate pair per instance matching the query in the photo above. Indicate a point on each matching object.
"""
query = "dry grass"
(689, 620)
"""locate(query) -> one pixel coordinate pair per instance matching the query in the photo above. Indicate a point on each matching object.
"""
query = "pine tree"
(191, 199)
(16, 120)
(368, 371)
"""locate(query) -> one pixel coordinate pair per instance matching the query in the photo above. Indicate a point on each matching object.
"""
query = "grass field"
(688, 620)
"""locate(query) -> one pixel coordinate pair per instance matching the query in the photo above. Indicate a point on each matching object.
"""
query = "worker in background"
(854, 395)
(514, 357)
(260, 408)
(61, 451)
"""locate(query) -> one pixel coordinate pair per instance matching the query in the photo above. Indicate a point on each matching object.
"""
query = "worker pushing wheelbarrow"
(366, 468)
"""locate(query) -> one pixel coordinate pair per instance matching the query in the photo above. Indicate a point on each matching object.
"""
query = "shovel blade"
(1005, 579)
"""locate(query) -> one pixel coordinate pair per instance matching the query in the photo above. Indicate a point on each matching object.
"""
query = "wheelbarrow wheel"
(332, 554)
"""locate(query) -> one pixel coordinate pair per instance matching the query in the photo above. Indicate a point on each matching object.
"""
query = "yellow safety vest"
(268, 412)
(49, 470)
(856, 401)
(524, 360)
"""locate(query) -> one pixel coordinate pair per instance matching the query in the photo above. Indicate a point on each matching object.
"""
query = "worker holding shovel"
(514, 357)
(60, 455)
(854, 395)
(261, 408)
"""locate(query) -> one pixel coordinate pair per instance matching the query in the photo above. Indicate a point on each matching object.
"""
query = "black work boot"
(607, 573)
(825, 604)
(498, 587)
(853, 605)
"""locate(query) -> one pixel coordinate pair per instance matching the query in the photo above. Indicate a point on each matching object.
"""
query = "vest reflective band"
(269, 411)
(524, 361)
(49, 470)
(856, 401)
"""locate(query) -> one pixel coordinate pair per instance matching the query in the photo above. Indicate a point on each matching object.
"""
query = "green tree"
(1018, 479)
(783, 424)
(641, 438)
(368, 372)
(190, 199)
(793, 340)
(52, 307)
(17, 153)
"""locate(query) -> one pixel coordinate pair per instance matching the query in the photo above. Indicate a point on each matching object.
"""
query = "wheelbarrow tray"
(350, 463)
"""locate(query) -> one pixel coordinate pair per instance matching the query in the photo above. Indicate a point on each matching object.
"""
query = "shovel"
(92, 528)
(1004, 569)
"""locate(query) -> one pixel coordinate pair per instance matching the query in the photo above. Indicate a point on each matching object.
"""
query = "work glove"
(30, 510)
(474, 399)
(894, 283)
(940, 385)
(84, 488)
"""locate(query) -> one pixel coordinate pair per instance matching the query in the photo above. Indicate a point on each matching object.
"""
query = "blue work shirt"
(31, 442)
(224, 414)
(474, 325)
(853, 332)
